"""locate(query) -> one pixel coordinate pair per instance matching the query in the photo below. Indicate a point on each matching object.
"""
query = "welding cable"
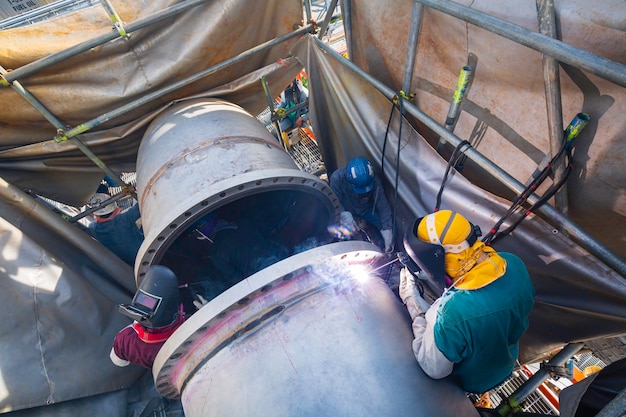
(451, 162)
(546, 196)
(395, 188)
(521, 198)
(573, 130)
(397, 101)
(382, 158)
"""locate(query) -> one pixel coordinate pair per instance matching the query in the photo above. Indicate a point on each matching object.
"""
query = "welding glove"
(200, 302)
(388, 239)
(347, 220)
(281, 112)
(410, 296)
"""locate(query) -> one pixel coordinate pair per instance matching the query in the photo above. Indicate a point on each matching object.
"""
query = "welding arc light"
(360, 273)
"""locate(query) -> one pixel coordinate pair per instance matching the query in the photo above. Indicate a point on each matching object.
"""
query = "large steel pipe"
(301, 335)
(311, 335)
(206, 154)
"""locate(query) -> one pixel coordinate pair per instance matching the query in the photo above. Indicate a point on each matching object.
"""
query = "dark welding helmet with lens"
(428, 257)
(156, 301)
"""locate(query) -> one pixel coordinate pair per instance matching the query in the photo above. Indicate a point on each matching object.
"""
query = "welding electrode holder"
(413, 269)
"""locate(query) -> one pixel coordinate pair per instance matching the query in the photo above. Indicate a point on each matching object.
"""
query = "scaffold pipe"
(579, 58)
(575, 232)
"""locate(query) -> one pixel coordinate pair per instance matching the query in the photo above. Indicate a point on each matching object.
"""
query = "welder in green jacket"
(472, 331)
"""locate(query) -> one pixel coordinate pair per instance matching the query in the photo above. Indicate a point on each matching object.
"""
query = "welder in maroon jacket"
(157, 313)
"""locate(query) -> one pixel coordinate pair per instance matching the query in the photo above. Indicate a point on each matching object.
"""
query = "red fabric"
(101, 219)
(128, 345)
(161, 334)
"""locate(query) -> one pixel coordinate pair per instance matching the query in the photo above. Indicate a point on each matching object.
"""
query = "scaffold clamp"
(403, 94)
(557, 371)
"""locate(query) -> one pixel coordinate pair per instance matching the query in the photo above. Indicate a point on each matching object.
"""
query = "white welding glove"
(201, 302)
(347, 220)
(409, 294)
(388, 239)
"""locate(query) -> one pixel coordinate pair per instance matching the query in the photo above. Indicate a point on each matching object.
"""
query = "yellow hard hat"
(448, 229)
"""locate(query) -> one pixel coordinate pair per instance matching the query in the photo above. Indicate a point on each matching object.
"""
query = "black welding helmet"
(156, 301)
(432, 236)
(429, 258)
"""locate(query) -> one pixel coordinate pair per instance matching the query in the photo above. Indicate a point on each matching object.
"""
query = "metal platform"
(536, 402)
(305, 152)
(302, 146)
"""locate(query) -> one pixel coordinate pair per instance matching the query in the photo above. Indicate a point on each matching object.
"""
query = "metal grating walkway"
(534, 403)
(305, 152)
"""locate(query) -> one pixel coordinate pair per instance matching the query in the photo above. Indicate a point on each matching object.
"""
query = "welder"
(471, 331)
(362, 198)
(293, 95)
(156, 312)
(119, 230)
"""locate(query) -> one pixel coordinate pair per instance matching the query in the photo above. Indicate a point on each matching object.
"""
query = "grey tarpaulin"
(504, 112)
(578, 297)
(60, 288)
(58, 291)
(104, 78)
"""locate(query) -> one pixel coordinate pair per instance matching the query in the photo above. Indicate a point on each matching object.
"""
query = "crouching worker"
(471, 331)
(362, 198)
(156, 312)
